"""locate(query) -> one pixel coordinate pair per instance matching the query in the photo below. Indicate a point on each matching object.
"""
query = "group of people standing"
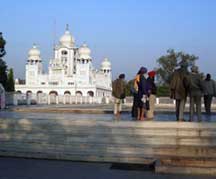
(144, 94)
(191, 84)
(183, 84)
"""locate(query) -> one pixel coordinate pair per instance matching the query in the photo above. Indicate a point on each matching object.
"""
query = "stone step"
(155, 151)
(80, 157)
(189, 162)
(169, 169)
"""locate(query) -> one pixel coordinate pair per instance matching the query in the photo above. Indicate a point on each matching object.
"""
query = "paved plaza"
(88, 111)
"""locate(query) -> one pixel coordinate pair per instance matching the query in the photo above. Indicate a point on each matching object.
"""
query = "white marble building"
(70, 72)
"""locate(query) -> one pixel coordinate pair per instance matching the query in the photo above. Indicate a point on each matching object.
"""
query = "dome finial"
(84, 44)
(67, 39)
(34, 45)
(67, 27)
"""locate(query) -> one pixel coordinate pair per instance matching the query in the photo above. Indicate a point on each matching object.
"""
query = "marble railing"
(20, 99)
(42, 98)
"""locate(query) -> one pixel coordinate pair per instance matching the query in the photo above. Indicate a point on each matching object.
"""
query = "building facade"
(70, 72)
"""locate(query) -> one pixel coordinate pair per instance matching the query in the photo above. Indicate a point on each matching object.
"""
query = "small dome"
(67, 39)
(84, 52)
(34, 54)
(34, 51)
(106, 64)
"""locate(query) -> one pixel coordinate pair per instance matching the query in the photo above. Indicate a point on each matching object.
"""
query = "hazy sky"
(131, 33)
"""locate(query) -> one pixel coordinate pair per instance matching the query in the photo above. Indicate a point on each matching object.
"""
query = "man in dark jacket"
(209, 90)
(118, 92)
(195, 92)
(178, 88)
(142, 92)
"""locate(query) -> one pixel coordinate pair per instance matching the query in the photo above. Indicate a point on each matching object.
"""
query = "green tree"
(10, 81)
(128, 87)
(169, 62)
(3, 66)
(163, 90)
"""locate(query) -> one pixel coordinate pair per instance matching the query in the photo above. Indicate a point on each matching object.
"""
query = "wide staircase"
(172, 147)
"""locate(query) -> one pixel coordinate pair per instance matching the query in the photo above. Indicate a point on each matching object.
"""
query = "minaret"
(84, 54)
(33, 66)
(107, 70)
(84, 63)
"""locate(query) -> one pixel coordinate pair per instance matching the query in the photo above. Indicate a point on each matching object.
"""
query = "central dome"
(67, 39)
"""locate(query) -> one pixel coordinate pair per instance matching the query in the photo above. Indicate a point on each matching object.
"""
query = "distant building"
(70, 72)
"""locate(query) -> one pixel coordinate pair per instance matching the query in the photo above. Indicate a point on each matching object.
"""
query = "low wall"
(23, 99)
(172, 146)
(42, 98)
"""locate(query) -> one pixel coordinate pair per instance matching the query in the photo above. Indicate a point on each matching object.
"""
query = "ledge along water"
(173, 147)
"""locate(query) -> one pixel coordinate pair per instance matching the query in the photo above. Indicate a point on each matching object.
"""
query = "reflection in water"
(160, 116)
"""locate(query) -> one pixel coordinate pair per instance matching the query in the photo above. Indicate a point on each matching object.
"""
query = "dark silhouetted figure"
(195, 92)
(178, 88)
(134, 91)
(209, 90)
(118, 92)
(142, 92)
(152, 90)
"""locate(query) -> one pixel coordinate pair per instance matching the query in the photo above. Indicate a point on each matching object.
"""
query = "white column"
(15, 101)
(28, 99)
(75, 99)
(70, 99)
(64, 99)
(48, 98)
(157, 101)
(57, 99)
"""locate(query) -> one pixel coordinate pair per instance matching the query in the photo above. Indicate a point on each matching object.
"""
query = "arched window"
(64, 52)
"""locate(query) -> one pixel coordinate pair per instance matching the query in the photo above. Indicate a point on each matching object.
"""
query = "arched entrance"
(90, 93)
(53, 97)
(78, 93)
(28, 93)
(67, 96)
(79, 98)
(39, 96)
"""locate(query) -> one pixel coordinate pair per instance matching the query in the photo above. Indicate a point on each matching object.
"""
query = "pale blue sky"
(131, 33)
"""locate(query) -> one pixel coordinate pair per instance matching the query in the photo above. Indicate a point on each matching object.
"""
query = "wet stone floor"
(125, 116)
